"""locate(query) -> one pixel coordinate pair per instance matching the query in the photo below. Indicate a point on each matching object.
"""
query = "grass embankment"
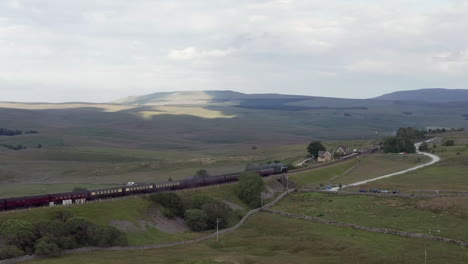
(136, 212)
(442, 216)
(267, 238)
(449, 174)
(81, 166)
(366, 167)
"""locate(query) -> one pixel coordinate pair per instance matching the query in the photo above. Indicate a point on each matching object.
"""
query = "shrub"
(47, 246)
(249, 188)
(8, 252)
(19, 233)
(106, 236)
(62, 215)
(196, 219)
(199, 200)
(78, 229)
(170, 201)
(449, 142)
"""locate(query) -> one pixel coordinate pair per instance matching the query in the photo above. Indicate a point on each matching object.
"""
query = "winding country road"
(434, 159)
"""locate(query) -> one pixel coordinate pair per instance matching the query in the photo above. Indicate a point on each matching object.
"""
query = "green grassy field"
(445, 216)
(267, 238)
(450, 174)
(366, 167)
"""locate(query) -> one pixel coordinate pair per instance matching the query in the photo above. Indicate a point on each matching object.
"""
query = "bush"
(62, 215)
(199, 200)
(196, 219)
(8, 252)
(106, 236)
(78, 229)
(249, 188)
(449, 142)
(19, 233)
(47, 246)
(170, 201)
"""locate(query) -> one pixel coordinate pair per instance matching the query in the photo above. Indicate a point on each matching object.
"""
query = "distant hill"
(199, 98)
(436, 95)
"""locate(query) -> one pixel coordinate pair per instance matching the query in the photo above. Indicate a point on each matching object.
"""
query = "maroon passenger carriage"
(26, 201)
(118, 191)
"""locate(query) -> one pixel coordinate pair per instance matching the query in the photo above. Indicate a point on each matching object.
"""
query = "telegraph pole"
(217, 229)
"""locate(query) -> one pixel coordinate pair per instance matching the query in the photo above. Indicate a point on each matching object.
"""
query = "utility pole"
(217, 230)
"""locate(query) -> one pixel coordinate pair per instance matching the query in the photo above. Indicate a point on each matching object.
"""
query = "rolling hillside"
(435, 95)
(218, 120)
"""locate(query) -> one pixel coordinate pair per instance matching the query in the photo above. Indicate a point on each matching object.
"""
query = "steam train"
(83, 196)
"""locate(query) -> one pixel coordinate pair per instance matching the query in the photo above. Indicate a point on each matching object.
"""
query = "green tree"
(398, 144)
(201, 174)
(171, 201)
(216, 210)
(424, 146)
(199, 200)
(315, 147)
(78, 229)
(196, 219)
(19, 233)
(249, 188)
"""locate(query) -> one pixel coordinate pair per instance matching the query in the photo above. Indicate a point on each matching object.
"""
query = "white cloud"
(192, 53)
(319, 47)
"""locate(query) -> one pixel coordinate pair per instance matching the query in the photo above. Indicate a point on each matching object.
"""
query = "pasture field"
(440, 216)
(365, 167)
(267, 238)
(449, 174)
(37, 171)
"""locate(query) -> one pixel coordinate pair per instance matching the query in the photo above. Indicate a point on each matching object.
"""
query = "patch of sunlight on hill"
(181, 110)
(105, 107)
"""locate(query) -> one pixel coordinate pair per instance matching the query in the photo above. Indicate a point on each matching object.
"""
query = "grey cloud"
(88, 50)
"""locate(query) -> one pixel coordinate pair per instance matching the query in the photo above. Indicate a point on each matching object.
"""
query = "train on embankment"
(127, 190)
(121, 191)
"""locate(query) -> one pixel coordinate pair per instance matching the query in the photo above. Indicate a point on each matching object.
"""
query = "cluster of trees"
(50, 237)
(314, 147)
(200, 212)
(443, 130)
(9, 132)
(404, 140)
(249, 189)
(410, 133)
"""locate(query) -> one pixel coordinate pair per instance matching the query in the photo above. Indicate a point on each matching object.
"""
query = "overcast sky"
(101, 50)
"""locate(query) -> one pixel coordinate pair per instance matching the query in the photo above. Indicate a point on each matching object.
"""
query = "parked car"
(362, 190)
(384, 191)
(395, 191)
(374, 190)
